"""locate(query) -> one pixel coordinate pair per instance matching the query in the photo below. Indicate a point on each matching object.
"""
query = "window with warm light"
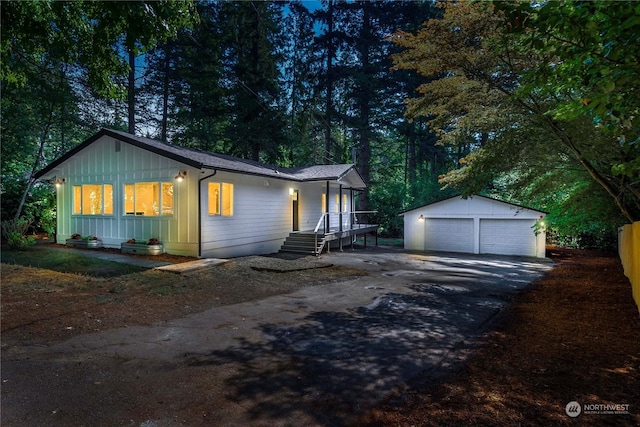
(324, 203)
(220, 198)
(93, 199)
(148, 199)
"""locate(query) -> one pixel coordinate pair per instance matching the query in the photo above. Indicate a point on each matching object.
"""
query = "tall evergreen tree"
(251, 77)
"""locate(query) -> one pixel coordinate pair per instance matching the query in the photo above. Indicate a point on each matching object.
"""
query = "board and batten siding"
(107, 161)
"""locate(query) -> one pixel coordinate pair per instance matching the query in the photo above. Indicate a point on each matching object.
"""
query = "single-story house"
(477, 225)
(117, 186)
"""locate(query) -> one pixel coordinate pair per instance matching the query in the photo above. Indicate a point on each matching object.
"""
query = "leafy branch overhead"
(86, 33)
(533, 89)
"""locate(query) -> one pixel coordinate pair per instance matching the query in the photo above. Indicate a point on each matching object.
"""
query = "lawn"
(66, 262)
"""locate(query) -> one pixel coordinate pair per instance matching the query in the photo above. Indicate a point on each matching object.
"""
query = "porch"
(313, 242)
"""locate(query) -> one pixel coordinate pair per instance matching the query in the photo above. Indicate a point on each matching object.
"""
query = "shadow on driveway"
(337, 364)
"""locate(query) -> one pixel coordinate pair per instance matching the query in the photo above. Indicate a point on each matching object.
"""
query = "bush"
(15, 230)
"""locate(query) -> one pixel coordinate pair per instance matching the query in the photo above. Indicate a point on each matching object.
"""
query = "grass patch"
(166, 290)
(67, 262)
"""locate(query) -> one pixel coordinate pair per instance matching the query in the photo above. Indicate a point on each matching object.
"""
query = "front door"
(296, 214)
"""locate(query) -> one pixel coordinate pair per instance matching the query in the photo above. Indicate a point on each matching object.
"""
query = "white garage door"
(449, 235)
(507, 237)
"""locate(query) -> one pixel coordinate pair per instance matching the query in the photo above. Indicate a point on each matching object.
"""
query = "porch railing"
(358, 221)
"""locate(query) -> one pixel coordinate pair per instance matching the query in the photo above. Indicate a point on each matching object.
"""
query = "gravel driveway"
(319, 356)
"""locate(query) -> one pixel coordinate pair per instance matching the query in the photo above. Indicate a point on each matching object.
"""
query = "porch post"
(352, 216)
(327, 222)
(340, 207)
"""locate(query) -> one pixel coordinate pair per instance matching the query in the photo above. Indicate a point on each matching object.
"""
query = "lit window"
(167, 198)
(220, 198)
(93, 199)
(77, 200)
(344, 203)
(324, 203)
(148, 198)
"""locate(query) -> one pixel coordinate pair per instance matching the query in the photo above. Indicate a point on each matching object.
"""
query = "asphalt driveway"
(318, 356)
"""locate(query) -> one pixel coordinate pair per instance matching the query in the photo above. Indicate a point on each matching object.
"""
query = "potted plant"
(153, 246)
(77, 241)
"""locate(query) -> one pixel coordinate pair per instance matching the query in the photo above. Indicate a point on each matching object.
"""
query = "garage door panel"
(449, 235)
(507, 237)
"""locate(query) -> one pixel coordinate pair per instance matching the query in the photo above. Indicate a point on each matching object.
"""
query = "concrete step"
(303, 243)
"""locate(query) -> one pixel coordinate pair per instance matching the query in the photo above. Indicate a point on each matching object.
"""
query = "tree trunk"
(364, 144)
(131, 96)
(165, 97)
(36, 162)
(329, 83)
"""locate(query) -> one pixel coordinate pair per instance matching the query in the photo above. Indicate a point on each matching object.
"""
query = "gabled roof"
(472, 196)
(346, 173)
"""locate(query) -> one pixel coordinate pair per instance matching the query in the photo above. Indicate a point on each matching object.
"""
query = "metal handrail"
(320, 221)
(354, 218)
(315, 232)
(323, 221)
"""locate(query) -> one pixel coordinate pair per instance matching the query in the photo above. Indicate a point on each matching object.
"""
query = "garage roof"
(512, 205)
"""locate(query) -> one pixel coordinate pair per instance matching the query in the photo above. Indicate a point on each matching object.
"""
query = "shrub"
(15, 230)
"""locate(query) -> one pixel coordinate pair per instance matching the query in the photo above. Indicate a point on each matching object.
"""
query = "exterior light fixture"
(421, 218)
(58, 182)
(291, 191)
(181, 175)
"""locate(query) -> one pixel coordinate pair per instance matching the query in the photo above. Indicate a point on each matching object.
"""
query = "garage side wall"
(413, 231)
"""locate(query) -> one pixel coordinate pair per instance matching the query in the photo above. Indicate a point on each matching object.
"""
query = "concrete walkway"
(317, 356)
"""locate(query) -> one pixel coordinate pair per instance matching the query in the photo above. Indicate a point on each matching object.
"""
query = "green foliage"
(510, 86)
(15, 233)
(385, 198)
(85, 33)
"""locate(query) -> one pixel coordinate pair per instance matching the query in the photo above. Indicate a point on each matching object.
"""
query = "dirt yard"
(42, 305)
(574, 336)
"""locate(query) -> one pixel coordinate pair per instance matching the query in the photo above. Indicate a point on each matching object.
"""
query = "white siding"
(263, 215)
(260, 222)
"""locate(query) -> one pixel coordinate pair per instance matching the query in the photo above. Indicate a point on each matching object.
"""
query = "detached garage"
(478, 225)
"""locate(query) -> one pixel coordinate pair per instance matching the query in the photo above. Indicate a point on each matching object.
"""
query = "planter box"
(83, 243)
(141, 249)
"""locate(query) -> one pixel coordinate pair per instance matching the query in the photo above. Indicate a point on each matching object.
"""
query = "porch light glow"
(421, 218)
(181, 175)
(291, 191)
(58, 182)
